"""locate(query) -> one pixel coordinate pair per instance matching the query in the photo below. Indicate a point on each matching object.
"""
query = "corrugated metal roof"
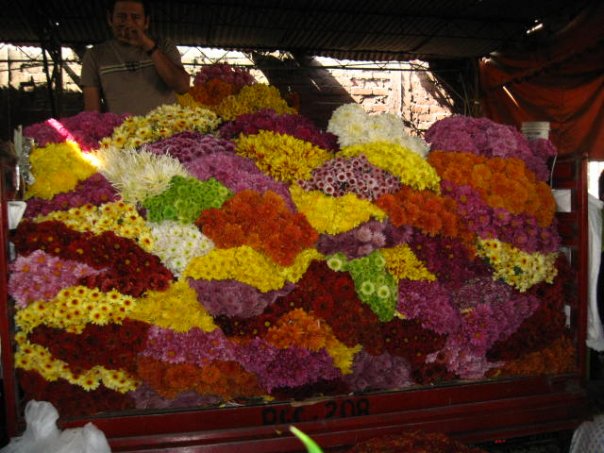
(348, 29)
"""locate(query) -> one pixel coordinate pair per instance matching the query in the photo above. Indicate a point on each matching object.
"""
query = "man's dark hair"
(145, 3)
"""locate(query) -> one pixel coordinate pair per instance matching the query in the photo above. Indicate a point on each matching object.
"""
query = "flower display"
(226, 250)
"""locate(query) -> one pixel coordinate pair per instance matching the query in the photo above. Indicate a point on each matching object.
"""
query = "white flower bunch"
(354, 126)
(137, 175)
(177, 243)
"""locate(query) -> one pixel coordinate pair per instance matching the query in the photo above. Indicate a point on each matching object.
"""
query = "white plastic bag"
(42, 435)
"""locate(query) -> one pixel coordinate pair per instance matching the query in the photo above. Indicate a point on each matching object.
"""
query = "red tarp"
(561, 82)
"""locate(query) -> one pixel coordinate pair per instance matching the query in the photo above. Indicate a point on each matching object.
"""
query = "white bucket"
(535, 129)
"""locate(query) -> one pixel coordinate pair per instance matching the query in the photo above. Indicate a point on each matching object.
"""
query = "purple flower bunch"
(297, 126)
(237, 173)
(384, 371)
(188, 146)
(494, 311)
(236, 76)
(357, 175)
(429, 303)
(95, 190)
(448, 259)
(364, 239)
(490, 139)
(195, 346)
(290, 367)
(520, 230)
(40, 276)
(235, 299)
(86, 128)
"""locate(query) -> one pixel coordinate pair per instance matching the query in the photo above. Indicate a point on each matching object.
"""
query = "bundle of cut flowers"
(201, 256)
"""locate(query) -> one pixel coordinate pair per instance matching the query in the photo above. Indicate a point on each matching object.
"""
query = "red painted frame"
(469, 411)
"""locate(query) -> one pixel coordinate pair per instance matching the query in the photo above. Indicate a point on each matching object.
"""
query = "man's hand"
(136, 37)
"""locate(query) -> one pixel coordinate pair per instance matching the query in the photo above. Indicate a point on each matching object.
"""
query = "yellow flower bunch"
(119, 217)
(342, 355)
(411, 168)
(34, 357)
(334, 215)
(246, 265)
(516, 267)
(250, 99)
(186, 100)
(402, 263)
(177, 308)
(75, 307)
(138, 175)
(162, 122)
(57, 168)
(282, 156)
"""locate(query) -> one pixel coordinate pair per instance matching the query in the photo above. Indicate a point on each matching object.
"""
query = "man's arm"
(172, 74)
(92, 99)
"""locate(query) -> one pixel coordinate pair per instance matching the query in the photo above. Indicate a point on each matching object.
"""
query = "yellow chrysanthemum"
(282, 156)
(402, 263)
(342, 355)
(70, 310)
(246, 265)
(517, 267)
(250, 99)
(334, 215)
(177, 308)
(57, 168)
(411, 168)
(118, 217)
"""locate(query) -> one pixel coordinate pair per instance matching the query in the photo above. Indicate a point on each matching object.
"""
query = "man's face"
(128, 17)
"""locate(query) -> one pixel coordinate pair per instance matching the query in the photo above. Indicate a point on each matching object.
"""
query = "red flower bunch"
(112, 346)
(262, 221)
(226, 379)
(407, 338)
(425, 210)
(72, 400)
(127, 267)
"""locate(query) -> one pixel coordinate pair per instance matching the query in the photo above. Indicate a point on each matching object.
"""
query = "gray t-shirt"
(127, 77)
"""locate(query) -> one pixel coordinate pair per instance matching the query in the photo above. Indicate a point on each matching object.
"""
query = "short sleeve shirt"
(126, 76)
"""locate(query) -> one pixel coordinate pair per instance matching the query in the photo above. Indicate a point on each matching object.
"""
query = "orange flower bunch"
(211, 92)
(425, 210)
(501, 182)
(557, 358)
(225, 379)
(300, 329)
(261, 221)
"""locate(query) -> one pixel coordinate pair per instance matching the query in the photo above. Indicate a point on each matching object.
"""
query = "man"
(131, 73)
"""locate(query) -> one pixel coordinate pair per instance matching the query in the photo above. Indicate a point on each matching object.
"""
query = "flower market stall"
(217, 270)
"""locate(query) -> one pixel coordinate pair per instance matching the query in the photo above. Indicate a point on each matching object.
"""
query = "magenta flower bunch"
(378, 372)
(236, 76)
(490, 139)
(95, 190)
(520, 230)
(364, 239)
(188, 146)
(235, 299)
(357, 175)
(85, 128)
(238, 174)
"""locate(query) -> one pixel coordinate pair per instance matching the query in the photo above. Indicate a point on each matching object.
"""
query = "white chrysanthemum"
(176, 244)
(353, 126)
(138, 175)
